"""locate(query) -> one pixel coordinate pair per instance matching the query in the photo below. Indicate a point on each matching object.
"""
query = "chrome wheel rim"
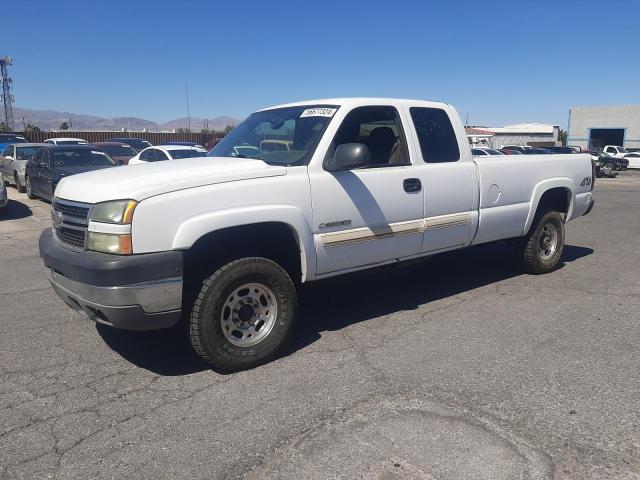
(548, 242)
(249, 314)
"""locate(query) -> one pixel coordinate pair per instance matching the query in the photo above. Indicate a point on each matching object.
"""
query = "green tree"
(562, 137)
(3, 127)
(64, 126)
(31, 128)
(227, 129)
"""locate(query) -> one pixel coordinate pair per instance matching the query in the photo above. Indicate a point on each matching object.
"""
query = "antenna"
(7, 98)
(186, 93)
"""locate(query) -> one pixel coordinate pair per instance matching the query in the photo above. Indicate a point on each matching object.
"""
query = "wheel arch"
(558, 193)
(254, 230)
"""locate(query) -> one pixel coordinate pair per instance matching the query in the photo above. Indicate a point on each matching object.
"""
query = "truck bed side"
(511, 187)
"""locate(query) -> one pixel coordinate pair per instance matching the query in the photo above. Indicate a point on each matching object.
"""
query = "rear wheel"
(16, 179)
(540, 250)
(243, 314)
(610, 167)
(29, 188)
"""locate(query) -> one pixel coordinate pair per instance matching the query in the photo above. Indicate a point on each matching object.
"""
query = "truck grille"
(70, 222)
(71, 236)
(71, 210)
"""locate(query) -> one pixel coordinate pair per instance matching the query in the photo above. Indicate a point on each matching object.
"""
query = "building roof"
(477, 132)
(523, 128)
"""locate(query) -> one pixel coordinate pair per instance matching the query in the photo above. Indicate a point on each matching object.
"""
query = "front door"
(373, 214)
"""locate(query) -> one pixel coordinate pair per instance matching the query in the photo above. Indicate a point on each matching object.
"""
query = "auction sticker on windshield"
(318, 112)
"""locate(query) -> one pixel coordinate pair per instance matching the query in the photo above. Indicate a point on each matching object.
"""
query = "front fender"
(538, 191)
(194, 228)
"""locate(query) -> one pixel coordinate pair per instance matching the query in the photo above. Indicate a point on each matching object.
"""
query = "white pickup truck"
(223, 242)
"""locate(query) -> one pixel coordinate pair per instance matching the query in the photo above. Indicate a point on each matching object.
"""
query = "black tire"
(29, 188)
(610, 166)
(530, 248)
(206, 320)
(19, 186)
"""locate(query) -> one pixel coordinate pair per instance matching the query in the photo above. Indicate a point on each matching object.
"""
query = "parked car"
(167, 152)
(66, 141)
(508, 151)
(4, 199)
(13, 162)
(560, 149)
(614, 151)
(238, 235)
(538, 151)
(184, 144)
(52, 163)
(634, 159)
(609, 164)
(9, 138)
(121, 153)
(478, 152)
(138, 144)
(518, 148)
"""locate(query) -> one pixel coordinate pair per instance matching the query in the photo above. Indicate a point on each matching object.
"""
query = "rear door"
(45, 175)
(373, 214)
(449, 178)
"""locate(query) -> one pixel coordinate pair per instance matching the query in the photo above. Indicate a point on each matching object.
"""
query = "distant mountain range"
(51, 120)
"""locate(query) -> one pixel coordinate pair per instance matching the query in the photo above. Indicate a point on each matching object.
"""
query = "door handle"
(412, 185)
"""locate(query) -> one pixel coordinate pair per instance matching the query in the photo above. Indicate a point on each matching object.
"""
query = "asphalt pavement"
(455, 367)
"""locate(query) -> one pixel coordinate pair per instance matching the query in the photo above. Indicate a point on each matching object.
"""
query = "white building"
(533, 134)
(595, 127)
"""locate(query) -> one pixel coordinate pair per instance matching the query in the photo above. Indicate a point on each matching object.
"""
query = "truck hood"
(141, 181)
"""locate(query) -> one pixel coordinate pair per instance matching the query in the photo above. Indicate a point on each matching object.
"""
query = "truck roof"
(360, 101)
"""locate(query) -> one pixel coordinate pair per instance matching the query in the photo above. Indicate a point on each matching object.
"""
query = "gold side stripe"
(364, 234)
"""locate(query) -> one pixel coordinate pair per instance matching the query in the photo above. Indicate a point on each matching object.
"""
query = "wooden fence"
(156, 138)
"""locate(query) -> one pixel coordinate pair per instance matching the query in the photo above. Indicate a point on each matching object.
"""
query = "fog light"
(110, 243)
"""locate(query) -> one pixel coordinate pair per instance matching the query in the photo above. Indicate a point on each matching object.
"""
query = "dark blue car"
(52, 163)
(9, 138)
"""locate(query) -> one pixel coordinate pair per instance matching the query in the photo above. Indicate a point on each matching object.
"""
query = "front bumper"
(137, 292)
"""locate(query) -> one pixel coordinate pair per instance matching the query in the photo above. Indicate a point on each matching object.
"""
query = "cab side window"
(380, 130)
(438, 142)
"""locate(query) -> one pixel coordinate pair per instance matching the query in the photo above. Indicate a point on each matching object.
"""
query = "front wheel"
(29, 188)
(19, 186)
(540, 250)
(243, 314)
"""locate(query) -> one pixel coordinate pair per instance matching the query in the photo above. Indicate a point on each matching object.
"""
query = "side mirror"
(349, 156)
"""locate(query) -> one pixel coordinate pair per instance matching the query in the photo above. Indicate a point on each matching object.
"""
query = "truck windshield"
(282, 136)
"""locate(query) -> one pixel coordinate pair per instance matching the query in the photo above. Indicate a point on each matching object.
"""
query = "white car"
(226, 241)
(167, 152)
(634, 159)
(13, 162)
(66, 141)
(614, 151)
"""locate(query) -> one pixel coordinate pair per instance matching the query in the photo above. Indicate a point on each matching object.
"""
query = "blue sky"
(499, 61)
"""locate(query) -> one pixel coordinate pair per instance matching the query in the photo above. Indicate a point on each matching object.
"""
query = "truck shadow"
(336, 303)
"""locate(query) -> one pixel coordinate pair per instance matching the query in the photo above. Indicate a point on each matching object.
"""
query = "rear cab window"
(438, 141)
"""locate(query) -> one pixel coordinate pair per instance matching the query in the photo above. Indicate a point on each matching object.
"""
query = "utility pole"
(186, 93)
(7, 98)
(466, 121)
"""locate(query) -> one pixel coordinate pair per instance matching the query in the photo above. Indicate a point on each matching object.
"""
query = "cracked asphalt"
(455, 367)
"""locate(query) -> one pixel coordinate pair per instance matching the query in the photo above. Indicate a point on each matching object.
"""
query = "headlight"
(110, 243)
(118, 211)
